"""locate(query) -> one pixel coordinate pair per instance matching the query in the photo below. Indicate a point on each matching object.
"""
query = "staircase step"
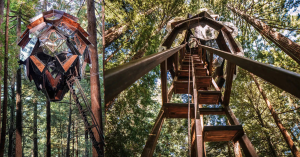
(181, 87)
(200, 71)
(178, 110)
(222, 133)
(208, 97)
(203, 81)
(212, 111)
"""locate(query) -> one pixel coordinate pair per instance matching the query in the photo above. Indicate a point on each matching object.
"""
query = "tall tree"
(1, 21)
(69, 128)
(94, 71)
(35, 136)
(12, 116)
(48, 114)
(285, 44)
(282, 129)
(4, 117)
(18, 149)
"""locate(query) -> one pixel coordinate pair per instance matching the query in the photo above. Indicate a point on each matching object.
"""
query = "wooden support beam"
(229, 78)
(176, 62)
(163, 77)
(170, 92)
(199, 144)
(284, 79)
(153, 136)
(212, 111)
(121, 77)
(210, 63)
(244, 141)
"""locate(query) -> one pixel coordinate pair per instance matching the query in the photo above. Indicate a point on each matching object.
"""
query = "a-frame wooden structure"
(203, 87)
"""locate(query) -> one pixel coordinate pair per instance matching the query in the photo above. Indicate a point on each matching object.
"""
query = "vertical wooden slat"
(176, 62)
(197, 121)
(210, 63)
(153, 136)
(163, 75)
(244, 141)
(229, 78)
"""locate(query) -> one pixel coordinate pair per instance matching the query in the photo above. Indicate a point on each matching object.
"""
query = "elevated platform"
(222, 133)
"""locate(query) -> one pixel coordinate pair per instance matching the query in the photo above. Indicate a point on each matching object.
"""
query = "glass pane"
(25, 53)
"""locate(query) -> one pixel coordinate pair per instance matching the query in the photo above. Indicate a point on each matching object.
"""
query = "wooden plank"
(199, 143)
(200, 71)
(121, 77)
(153, 136)
(176, 110)
(244, 141)
(203, 81)
(212, 111)
(229, 78)
(222, 133)
(210, 63)
(208, 97)
(163, 76)
(284, 79)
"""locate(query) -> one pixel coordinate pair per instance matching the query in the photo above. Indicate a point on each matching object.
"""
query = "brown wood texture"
(121, 77)
(208, 97)
(153, 136)
(203, 81)
(284, 79)
(163, 77)
(176, 110)
(244, 141)
(212, 111)
(222, 133)
(198, 121)
(69, 62)
(94, 72)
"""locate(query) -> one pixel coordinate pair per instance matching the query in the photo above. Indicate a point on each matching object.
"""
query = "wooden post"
(163, 76)
(153, 136)
(210, 63)
(197, 121)
(244, 142)
(229, 78)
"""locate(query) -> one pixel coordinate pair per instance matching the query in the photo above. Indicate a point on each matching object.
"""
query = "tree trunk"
(86, 137)
(285, 44)
(1, 21)
(73, 138)
(237, 150)
(4, 117)
(35, 143)
(94, 71)
(18, 150)
(284, 132)
(48, 113)
(76, 132)
(229, 151)
(69, 129)
(12, 117)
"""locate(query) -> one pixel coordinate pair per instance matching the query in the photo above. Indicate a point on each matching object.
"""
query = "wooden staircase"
(208, 94)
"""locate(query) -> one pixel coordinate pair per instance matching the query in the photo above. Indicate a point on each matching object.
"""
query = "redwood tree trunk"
(12, 117)
(285, 44)
(48, 113)
(284, 132)
(94, 71)
(35, 144)
(4, 118)
(19, 130)
(69, 129)
(18, 149)
(1, 21)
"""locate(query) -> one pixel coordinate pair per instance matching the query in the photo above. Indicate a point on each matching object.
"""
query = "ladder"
(86, 113)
